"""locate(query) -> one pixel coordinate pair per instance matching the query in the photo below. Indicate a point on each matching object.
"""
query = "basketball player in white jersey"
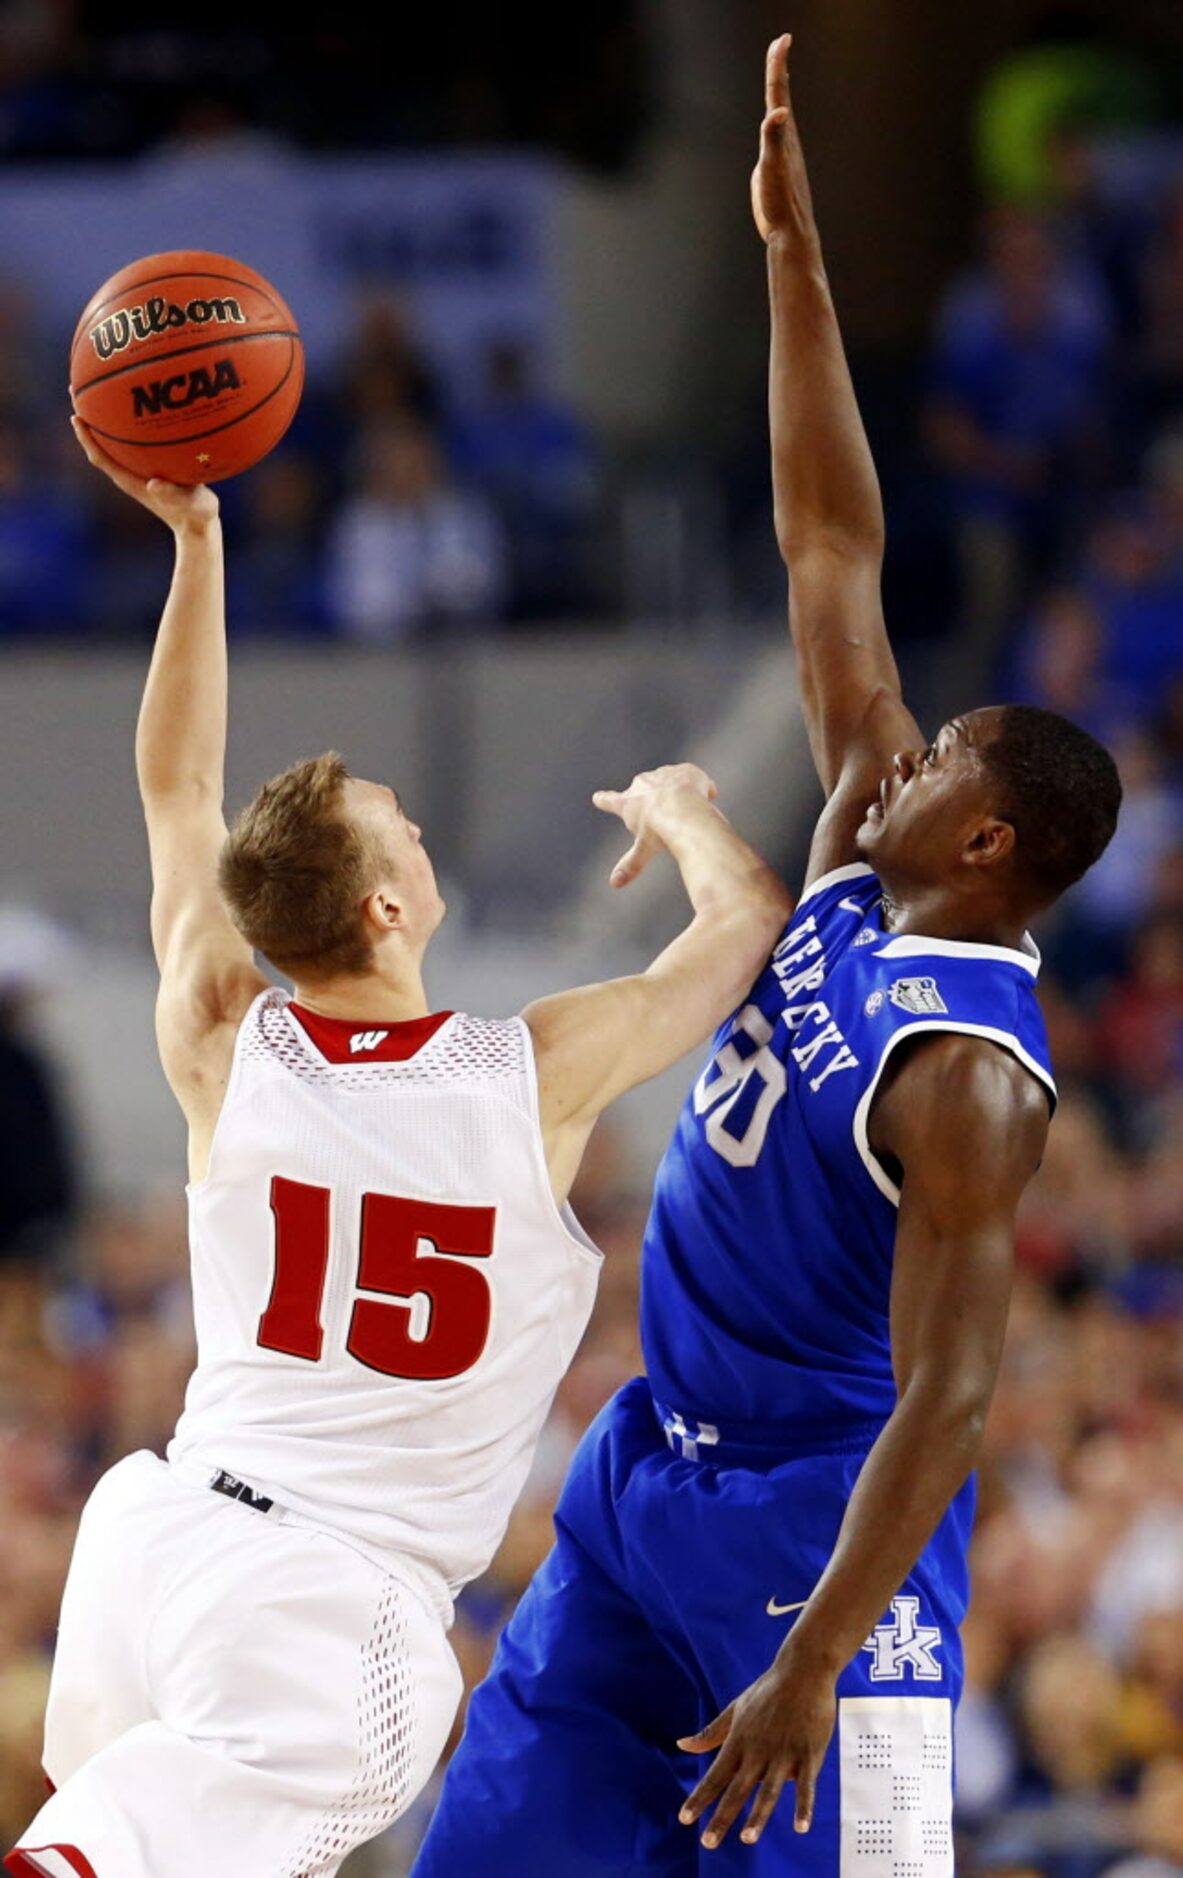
(253, 1674)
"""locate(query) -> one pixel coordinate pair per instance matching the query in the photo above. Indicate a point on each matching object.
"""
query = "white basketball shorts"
(231, 1693)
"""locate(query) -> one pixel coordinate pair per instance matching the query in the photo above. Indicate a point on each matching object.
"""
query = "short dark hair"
(1060, 791)
(294, 871)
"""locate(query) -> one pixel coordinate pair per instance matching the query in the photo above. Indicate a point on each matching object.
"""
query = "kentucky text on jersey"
(767, 1266)
(802, 943)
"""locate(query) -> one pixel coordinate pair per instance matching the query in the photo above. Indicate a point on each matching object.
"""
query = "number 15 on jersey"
(408, 1250)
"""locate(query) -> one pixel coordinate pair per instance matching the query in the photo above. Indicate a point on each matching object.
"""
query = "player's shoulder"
(916, 976)
(854, 886)
(910, 986)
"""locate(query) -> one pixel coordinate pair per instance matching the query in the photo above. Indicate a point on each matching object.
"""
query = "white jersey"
(386, 1293)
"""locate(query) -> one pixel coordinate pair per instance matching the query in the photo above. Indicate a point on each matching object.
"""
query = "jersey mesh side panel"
(387, 1722)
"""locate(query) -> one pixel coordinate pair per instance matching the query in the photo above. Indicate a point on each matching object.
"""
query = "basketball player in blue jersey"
(761, 1548)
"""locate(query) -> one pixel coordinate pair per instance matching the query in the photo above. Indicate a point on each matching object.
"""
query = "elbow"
(953, 1414)
(760, 915)
(822, 541)
(161, 787)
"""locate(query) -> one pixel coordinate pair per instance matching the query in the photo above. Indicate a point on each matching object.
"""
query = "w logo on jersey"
(904, 1644)
(366, 1040)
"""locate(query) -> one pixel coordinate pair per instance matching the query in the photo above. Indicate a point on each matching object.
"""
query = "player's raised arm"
(593, 1043)
(829, 516)
(208, 975)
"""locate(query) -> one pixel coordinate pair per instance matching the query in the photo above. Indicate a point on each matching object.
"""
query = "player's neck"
(390, 996)
(937, 914)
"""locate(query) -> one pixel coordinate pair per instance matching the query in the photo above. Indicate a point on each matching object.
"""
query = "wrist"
(679, 808)
(197, 528)
(811, 1650)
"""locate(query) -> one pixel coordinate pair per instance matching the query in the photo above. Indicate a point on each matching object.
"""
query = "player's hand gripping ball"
(187, 366)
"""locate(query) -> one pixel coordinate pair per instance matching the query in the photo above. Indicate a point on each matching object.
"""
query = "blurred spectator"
(1157, 1823)
(43, 546)
(38, 1179)
(408, 549)
(1160, 356)
(1140, 1029)
(1064, 664)
(275, 581)
(1065, 78)
(386, 377)
(534, 459)
(1016, 393)
(1119, 891)
(24, 1685)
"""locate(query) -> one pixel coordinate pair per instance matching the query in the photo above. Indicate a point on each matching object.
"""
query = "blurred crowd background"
(1030, 435)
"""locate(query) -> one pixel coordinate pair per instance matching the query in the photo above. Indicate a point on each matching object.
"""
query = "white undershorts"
(231, 1693)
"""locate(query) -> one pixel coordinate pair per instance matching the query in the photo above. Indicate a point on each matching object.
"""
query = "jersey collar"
(351, 1040)
(915, 945)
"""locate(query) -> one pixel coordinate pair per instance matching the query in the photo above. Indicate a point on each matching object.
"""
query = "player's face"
(931, 804)
(385, 820)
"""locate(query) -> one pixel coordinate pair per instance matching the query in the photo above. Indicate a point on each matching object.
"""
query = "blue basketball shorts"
(670, 1587)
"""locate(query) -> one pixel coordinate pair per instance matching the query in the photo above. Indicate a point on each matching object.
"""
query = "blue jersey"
(766, 1271)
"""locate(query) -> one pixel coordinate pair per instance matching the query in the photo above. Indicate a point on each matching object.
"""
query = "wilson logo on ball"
(173, 394)
(157, 315)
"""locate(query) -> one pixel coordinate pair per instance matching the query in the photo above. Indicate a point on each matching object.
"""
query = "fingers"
(730, 1806)
(776, 74)
(712, 1736)
(95, 454)
(806, 1789)
(771, 1788)
(610, 800)
(634, 862)
(616, 802)
(718, 1777)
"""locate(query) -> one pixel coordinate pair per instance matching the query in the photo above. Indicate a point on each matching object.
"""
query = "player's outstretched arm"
(951, 1281)
(829, 516)
(208, 974)
(593, 1043)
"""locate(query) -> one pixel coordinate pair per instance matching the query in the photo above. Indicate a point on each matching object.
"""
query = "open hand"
(675, 788)
(777, 1730)
(182, 506)
(780, 186)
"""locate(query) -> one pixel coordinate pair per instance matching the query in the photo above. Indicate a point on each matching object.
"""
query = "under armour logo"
(366, 1040)
(703, 1434)
(904, 1643)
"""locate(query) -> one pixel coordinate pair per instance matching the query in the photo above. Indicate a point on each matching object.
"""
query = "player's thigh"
(303, 1698)
(98, 1687)
(749, 1553)
(284, 1648)
(568, 1762)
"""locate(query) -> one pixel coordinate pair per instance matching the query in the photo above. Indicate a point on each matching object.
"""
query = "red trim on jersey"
(395, 1043)
(24, 1863)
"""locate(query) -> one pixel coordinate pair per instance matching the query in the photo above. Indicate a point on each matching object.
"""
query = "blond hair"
(293, 872)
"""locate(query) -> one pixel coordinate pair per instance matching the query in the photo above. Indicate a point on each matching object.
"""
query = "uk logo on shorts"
(904, 1644)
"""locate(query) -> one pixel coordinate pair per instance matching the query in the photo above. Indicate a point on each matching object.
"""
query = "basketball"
(187, 366)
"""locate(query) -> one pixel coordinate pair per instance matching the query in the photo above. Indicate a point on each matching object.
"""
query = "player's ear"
(383, 910)
(991, 842)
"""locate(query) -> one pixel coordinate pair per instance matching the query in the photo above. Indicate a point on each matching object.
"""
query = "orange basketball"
(187, 366)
